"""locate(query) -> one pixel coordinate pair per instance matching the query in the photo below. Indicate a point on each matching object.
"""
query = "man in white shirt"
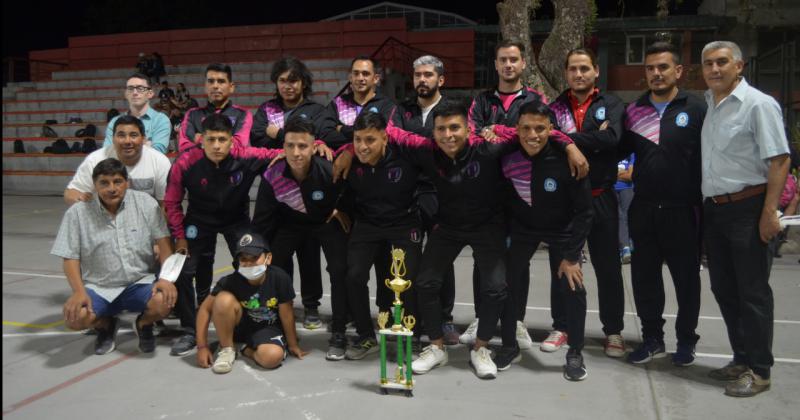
(147, 168)
(745, 159)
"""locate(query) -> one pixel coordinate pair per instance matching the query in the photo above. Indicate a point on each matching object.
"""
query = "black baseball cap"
(252, 244)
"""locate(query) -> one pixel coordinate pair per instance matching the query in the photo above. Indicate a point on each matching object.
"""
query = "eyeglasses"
(140, 89)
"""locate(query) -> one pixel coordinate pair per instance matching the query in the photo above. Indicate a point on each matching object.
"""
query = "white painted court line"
(534, 308)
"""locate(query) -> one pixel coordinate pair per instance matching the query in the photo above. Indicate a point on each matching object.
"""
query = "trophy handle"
(386, 282)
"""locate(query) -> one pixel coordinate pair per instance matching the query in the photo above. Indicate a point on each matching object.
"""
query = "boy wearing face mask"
(252, 305)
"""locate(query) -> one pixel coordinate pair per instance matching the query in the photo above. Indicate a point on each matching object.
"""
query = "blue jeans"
(133, 299)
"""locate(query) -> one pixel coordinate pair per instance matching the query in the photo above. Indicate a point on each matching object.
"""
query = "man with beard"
(663, 129)
(593, 120)
(219, 88)
(414, 115)
(337, 129)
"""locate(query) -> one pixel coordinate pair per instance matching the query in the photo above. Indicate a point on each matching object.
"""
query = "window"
(634, 50)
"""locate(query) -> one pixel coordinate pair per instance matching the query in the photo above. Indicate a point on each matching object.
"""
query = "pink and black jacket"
(218, 196)
(667, 147)
(193, 121)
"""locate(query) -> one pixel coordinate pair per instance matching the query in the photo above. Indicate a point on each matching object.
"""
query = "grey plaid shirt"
(114, 252)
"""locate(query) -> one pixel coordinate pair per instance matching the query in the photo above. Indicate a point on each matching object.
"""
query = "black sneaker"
(184, 345)
(147, 340)
(361, 348)
(337, 346)
(574, 370)
(505, 356)
(104, 342)
(311, 320)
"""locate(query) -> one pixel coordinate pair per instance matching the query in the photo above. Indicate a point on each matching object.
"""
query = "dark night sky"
(36, 24)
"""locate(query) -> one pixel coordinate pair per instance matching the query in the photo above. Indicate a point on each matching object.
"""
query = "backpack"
(19, 147)
(89, 146)
(48, 132)
(51, 121)
(60, 147)
(113, 112)
(89, 131)
(76, 147)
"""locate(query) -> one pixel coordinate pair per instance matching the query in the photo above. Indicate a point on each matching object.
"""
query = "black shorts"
(254, 335)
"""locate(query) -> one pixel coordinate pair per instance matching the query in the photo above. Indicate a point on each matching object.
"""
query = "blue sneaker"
(625, 255)
(647, 351)
(684, 355)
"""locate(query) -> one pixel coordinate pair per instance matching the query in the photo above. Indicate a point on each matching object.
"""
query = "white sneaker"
(523, 338)
(431, 357)
(554, 341)
(481, 361)
(470, 334)
(224, 361)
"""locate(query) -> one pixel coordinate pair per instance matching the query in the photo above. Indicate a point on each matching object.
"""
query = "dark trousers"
(366, 241)
(671, 235)
(310, 272)
(199, 266)
(572, 303)
(488, 251)
(290, 239)
(604, 254)
(739, 265)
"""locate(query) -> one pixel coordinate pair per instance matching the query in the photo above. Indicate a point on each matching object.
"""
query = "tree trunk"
(515, 25)
(547, 73)
(569, 27)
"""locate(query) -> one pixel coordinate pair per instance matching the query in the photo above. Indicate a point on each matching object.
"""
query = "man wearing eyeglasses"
(156, 125)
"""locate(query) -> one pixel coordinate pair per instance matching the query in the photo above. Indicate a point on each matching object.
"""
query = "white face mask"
(253, 272)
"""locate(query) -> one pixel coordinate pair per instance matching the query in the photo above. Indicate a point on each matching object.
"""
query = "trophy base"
(407, 390)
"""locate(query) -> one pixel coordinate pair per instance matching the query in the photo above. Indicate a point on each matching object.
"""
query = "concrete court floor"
(50, 372)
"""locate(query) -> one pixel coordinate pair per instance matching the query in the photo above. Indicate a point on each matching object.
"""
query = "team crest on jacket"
(203, 182)
(236, 178)
(394, 174)
(600, 114)
(550, 185)
(408, 116)
(682, 120)
(233, 120)
(191, 232)
(317, 195)
(473, 169)
(415, 236)
(374, 109)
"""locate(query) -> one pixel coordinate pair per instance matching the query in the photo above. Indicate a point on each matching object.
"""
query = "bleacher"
(89, 94)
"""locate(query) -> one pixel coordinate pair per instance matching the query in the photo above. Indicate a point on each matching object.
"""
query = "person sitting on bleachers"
(156, 126)
(148, 169)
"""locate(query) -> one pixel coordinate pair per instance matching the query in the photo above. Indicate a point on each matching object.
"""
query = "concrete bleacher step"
(19, 130)
(31, 182)
(38, 144)
(115, 91)
(42, 116)
(42, 162)
(261, 66)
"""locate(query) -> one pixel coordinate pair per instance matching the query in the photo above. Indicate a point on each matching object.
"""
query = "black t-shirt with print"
(259, 302)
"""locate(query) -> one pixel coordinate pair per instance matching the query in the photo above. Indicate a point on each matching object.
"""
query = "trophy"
(401, 380)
